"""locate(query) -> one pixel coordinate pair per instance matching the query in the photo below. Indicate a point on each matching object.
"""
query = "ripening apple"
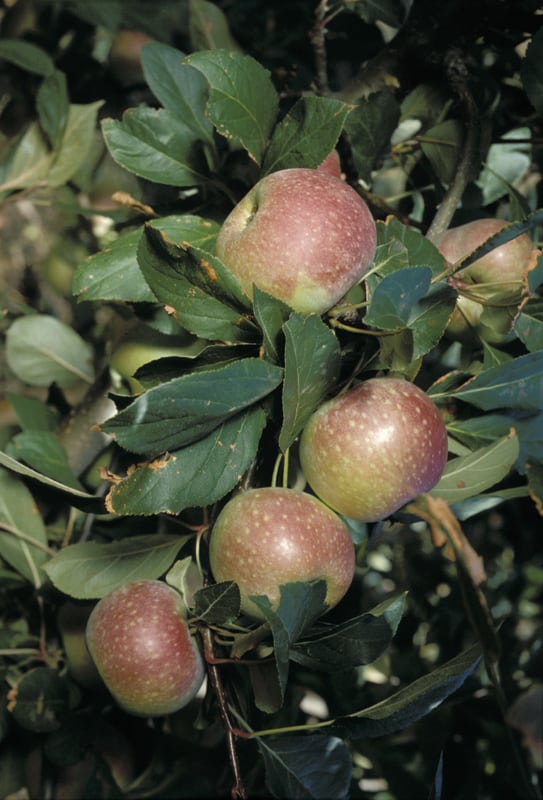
(141, 644)
(498, 276)
(300, 235)
(370, 450)
(266, 537)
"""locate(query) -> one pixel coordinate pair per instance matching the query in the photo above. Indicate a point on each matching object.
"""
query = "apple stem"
(238, 789)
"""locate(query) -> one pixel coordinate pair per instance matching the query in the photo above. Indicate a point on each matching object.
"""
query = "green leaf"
(300, 604)
(409, 243)
(271, 314)
(369, 127)
(32, 413)
(21, 525)
(515, 384)
(357, 641)
(53, 106)
(205, 298)
(393, 298)
(411, 703)
(90, 570)
(41, 699)
(531, 72)
(42, 451)
(441, 146)
(42, 350)
(506, 163)
(181, 89)
(243, 102)
(27, 56)
(188, 408)
(156, 145)
(307, 134)
(194, 476)
(75, 146)
(392, 12)
(468, 476)
(312, 360)
(218, 604)
(429, 318)
(208, 27)
(311, 766)
(529, 325)
(26, 161)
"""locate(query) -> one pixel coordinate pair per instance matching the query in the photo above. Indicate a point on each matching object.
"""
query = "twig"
(238, 789)
(317, 38)
(457, 75)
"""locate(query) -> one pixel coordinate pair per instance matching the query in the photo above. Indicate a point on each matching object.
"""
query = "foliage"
(110, 473)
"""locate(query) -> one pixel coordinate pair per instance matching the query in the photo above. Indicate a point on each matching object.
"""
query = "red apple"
(331, 165)
(369, 451)
(300, 235)
(264, 538)
(141, 644)
(497, 276)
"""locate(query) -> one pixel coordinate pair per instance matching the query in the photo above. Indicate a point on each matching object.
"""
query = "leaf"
(531, 72)
(411, 703)
(186, 409)
(271, 314)
(357, 641)
(417, 249)
(20, 526)
(195, 476)
(42, 350)
(27, 56)
(393, 298)
(529, 325)
(515, 384)
(468, 476)
(27, 160)
(156, 145)
(310, 766)
(307, 134)
(43, 452)
(181, 89)
(53, 106)
(429, 317)
(90, 570)
(506, 163)
(369, 127)
(32, 413)
(392, 12)
(39, 700)
(77, 140)
(208, 27)
(312, 360)
(441, 146)
(172, 274)
(300, 604)
(243, 102)
(218, 604)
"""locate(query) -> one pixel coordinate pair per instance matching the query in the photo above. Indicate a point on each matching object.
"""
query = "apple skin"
(369, 451)
(331, 165)
(300, 235)
(142, 647)
(505, 267)
(270, 536)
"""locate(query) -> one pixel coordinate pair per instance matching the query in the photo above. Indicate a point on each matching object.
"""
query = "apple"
(497, 276)
(266, 537)
(125, 56)
(370, 450)
(72, 620)
(300, 235)
(331, 165)
(141, 644)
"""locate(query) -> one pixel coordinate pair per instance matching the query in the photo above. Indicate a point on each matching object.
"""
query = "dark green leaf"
(156, 145)
(369, 127)
(218, 604)
(21, 525)
(310, 766)
(312, 360)
(76, 144)
(441, 146)
(357, 641)
(42, 451)
(41, 700)
(529, 325)
(271, 314)
(27, 56)
(393, 299)
(180, 88)
(188, 408)
(531, 71)
(32, 413)
(515, 384)
(197, 475)
(90, 570)
(418, 249)
(243, 102)
(429, 317)
(307, 134)
(53, 106)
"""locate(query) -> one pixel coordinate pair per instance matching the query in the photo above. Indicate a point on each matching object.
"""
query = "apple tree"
(271, 465)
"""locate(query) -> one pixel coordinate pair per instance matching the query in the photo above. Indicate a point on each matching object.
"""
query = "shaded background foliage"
(393, 61)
